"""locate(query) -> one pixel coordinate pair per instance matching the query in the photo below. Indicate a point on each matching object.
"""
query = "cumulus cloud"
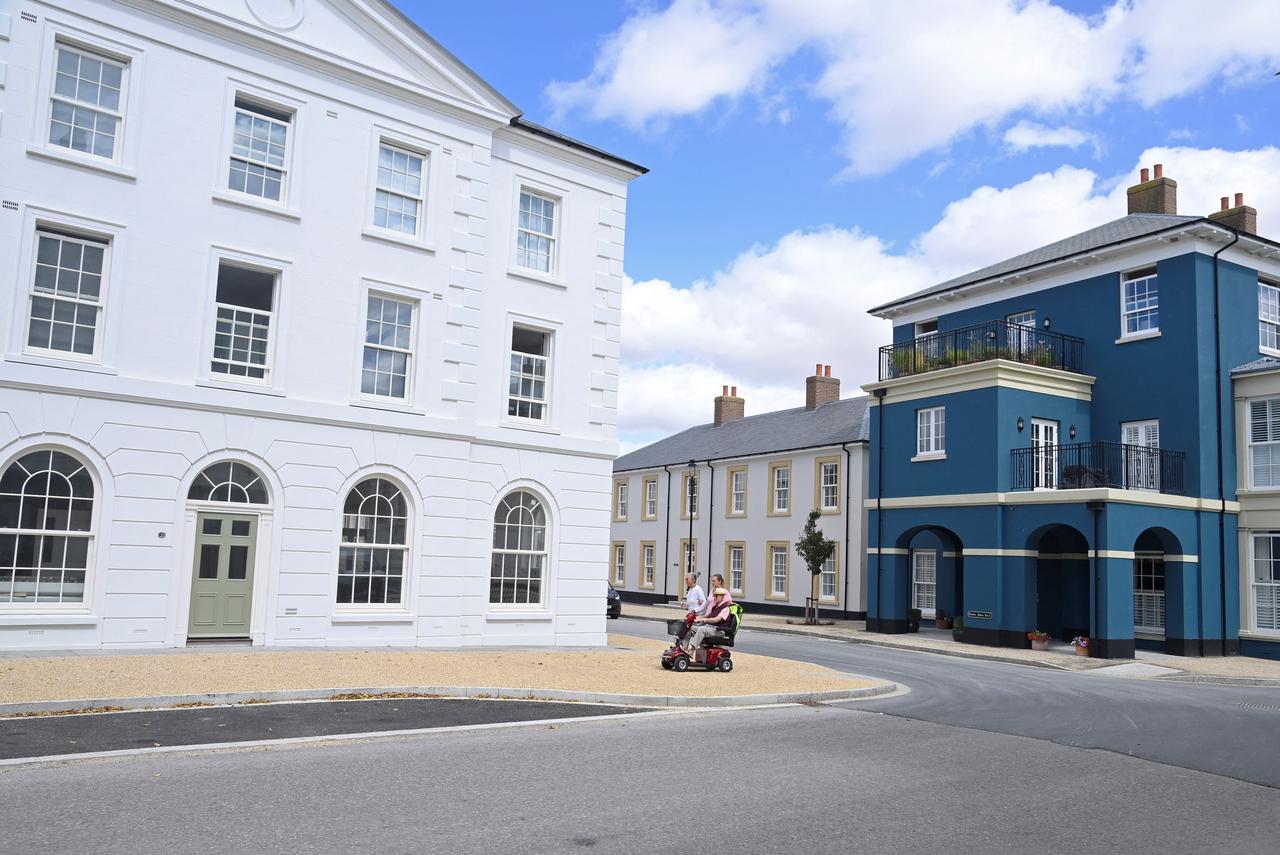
(907, 77)
(764, 320)
(1027, 135)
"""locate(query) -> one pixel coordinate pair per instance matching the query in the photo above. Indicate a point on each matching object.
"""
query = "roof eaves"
(587, 148)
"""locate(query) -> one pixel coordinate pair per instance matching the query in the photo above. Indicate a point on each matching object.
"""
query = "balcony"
(980, 343)
(1086, 465)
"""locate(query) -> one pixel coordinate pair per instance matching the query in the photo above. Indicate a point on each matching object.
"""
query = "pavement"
(626, 672)
(822, 780)
(1244, 670)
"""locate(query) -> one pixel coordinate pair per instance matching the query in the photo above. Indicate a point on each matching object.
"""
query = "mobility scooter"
(712, 654)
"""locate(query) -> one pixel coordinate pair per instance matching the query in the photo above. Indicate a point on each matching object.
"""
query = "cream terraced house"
(311, 339)
(1256, 394)
(731, 497)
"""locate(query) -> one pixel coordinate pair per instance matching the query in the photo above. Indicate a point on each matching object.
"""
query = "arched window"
(375, 545)
(46, 528)
(517, 574)
(229, 481)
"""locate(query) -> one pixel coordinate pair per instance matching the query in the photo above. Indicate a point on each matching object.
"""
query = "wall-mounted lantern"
(1071, 431)
(1021, 424)
(1046, 322)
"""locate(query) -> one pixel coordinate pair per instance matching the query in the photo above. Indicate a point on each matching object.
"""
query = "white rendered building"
(310, 339)
(732, 496)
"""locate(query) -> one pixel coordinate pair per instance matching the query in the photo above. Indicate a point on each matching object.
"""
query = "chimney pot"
(1159, 171)
(817, 370)
(724, 390)
(1226, 203)
(734, 393)
(826, 370)
(1144, 175)
(1239, 199)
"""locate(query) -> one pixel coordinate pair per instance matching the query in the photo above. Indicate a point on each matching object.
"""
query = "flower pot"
(1039, 644)
(943, 623)
(1082, 651)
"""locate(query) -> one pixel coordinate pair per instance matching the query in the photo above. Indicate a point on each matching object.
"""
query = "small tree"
(815, 548)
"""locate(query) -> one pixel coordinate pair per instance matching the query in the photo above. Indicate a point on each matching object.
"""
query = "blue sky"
(813, 157)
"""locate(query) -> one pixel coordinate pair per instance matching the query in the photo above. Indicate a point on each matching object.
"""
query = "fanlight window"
(374, 550)
(229, 482)
(46, 529)
(517, 573)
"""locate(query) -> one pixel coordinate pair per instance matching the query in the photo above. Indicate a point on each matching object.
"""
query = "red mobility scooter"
(713, 654)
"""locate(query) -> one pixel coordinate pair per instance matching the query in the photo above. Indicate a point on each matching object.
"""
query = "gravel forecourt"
(629, 665)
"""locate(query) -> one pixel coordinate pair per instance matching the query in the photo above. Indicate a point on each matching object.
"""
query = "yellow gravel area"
(628, 666)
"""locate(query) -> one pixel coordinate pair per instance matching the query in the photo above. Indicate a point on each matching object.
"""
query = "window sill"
(1142, 336)
(778, 513)
(388, 406)
(375, 233)
(47, 619)
(96, 164)
(240, 387)
(372, 617)
(538, 615)
(1260, 635)
(263, 207)
(55, 362)
(924, 458)
(537, 276)
(531, 426)
(1268, 351)
(829, 511)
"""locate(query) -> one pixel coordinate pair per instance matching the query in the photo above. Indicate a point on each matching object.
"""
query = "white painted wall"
(755, 530)
(147, 415)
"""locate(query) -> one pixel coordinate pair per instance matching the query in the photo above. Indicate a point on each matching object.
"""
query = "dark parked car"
(613, 607)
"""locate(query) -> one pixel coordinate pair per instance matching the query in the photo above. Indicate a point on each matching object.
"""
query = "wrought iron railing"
(1082, 465)
(980, 343)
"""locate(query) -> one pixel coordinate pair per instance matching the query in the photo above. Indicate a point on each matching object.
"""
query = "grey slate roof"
(785, 430)
(1116, 231)
(1265, 363)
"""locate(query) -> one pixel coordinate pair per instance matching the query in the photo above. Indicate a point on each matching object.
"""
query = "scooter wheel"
(666, 663)
(681, 663)
(725, 664)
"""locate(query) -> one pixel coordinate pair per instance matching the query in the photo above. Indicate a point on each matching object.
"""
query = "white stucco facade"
(147, 406)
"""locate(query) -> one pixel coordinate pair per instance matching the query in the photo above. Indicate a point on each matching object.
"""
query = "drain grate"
(1260, 707)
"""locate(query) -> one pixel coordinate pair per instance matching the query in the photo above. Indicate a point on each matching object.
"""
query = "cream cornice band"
(983, 552)
(1053, 497)
(1003, 373)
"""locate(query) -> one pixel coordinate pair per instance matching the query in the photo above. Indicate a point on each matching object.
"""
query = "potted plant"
(941, 621)
(913, 620)
(1039, 639)
(1081, 644)
(957, 628)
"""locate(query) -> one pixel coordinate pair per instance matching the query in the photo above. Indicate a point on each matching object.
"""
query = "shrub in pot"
(957, 628)
(941, 621)
(913, 620)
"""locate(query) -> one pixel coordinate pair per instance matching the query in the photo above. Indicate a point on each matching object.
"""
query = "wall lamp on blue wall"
(1046, 322)
(1071, 431)
(1021, 424)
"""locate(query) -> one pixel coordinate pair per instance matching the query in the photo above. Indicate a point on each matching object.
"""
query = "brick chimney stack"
(1156, 195)
(821, 388)
(1240, 216)
(729, 407)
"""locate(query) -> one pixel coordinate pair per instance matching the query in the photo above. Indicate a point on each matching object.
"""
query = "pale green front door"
(222, 582)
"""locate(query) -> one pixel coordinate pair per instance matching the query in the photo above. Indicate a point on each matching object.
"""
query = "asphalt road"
(831, 779)
(81, 734)
(1225, 730)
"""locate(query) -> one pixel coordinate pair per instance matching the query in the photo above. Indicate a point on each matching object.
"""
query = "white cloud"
(907, 77)
(765, 320)
(1027, 135)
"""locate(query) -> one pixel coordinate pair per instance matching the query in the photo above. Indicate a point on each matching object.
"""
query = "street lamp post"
(690, 506)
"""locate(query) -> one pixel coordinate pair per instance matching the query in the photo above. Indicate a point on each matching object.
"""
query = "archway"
(934, 572)
(1062, 601)
(1153, 587)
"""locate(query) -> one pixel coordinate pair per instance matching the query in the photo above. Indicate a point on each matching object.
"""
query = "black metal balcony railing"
(1082, 465)
(980, 343)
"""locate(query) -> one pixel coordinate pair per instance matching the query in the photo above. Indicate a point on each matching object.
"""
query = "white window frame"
(541, 608)
(737, 504)
(650, 511)
(834, 574)
(281, 268)
(923, 329)
(383, 292)
(1256, 588)
(121, 164)
(774, 550)
(1271, 444)
(738, 549)
(931, 433)
(1127, 279)
(688, 556)
(919, 586)
(648, 565)
(557, 216)
(689, 503)
(548, 409)
(785, 492)
(1143, 472)
(1044, 453)
(1268, 317)
(293, 166)
(406, 548)
(61, 233)
(419, 199)
(621, 500)
(821, 485)
(619, 575)
(1149, 600)
(117, 113)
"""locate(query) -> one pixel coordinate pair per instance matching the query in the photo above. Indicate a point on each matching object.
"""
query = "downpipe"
(1217, 398)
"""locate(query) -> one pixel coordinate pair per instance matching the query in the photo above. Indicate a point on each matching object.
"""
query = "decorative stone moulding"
(278, 14)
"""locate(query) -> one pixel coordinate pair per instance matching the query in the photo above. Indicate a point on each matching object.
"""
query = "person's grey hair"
(691, 577)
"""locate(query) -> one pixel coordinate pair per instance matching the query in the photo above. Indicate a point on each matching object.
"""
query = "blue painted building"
(1052, 441)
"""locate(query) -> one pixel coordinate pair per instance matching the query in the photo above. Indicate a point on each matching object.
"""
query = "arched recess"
(1063, 599)
(1152, 592)
(934, 571)
(228, 509)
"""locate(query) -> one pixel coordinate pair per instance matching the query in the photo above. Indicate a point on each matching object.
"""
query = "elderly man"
(694, 600)
(716, 618)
